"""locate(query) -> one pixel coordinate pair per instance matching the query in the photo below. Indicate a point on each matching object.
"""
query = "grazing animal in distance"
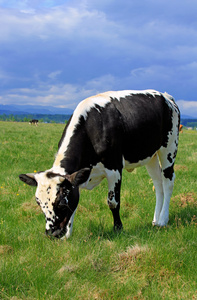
(106, 133)
(33, 122)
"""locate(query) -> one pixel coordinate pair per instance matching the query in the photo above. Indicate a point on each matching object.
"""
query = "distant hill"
(33, 109)
(187, 117)
(49, 110)
(188, 121)
(54, 114)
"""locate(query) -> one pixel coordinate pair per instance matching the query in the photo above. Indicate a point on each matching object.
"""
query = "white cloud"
(54, 75)
(65, 22)
(101, 84)
(59, 95)
(69, 95)
(66, 95)
(188, 108)
(59, 52)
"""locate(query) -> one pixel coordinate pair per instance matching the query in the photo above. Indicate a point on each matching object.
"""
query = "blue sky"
(60, 52)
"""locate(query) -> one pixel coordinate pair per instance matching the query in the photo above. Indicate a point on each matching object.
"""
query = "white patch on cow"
(96, 176)
(57, 164)
(113, 177)
(98, 173)
(122, 94)
(164, 214)
(131, 166)
(170, 101)
(154, 170)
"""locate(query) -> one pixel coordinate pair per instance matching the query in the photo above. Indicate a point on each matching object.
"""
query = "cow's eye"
(64, 192)
(63, 202)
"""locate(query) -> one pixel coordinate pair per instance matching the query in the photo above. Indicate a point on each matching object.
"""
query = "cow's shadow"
(185, 217)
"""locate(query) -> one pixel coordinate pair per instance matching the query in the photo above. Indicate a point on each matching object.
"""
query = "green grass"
(141, 262)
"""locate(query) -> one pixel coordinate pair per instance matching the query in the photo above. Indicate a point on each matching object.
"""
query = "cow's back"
(106, 127)
(135, 125)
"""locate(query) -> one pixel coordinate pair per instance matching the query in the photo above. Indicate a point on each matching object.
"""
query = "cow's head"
(58, 197)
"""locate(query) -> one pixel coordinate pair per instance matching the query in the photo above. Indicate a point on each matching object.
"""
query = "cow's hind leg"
(154, 170)
(114, 185)
(167, 158)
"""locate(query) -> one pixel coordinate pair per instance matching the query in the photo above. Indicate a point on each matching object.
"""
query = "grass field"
(141, 262)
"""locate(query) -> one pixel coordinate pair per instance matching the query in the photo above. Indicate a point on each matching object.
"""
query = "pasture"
(140, 262)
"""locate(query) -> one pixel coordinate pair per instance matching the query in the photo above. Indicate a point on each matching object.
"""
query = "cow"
(107, 133)
(33, 122)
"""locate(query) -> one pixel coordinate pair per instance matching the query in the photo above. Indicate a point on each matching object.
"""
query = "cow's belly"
(98, 172)
(97, 175)
(131, 166)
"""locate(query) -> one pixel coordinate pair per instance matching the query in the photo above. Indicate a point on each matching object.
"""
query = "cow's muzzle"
(58, 231)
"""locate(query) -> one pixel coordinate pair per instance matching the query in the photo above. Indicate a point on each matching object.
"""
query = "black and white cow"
(106, 133)
(33, 122)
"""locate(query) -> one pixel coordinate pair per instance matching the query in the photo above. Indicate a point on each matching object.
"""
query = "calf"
(106, 133)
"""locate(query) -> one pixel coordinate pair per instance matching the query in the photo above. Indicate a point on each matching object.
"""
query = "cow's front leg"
(114, 185)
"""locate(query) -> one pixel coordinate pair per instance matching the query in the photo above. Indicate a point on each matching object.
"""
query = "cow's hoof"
(159, 224)
(118, 227)
(154, 223)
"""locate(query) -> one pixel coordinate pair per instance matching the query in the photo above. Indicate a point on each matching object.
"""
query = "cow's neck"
(75, 153)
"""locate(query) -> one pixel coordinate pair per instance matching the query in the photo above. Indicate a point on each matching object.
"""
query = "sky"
(57, 53)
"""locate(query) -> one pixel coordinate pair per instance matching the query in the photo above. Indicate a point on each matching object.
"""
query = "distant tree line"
(47, 118)
(41, 117)
(189, 123)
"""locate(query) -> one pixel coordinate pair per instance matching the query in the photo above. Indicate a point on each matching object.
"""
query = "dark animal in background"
(33, 122)
(106, 133)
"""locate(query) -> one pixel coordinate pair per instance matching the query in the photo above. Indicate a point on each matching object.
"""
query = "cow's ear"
(28, 178)
(79, 177)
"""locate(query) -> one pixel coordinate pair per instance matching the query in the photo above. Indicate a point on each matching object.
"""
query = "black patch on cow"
(116, 211)
(169, 157)
(168, 172)
(63, 208)
(48, 190)
(111, 195)
(38, 201)
(135, 126)
(147, 121)
(175, 153)
(80, 152)
(51, 175)
(28, 180)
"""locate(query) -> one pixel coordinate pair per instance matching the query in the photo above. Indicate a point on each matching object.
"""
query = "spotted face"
(58, 197)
